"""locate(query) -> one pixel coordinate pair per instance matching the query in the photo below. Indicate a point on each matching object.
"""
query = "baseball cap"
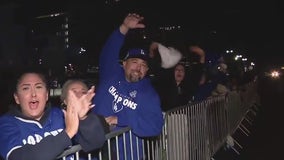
(137, 53)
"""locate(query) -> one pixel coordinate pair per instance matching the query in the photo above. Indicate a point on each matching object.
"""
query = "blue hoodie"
(136, 104)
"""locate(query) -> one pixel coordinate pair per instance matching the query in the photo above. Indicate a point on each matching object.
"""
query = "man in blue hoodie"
(125, 96)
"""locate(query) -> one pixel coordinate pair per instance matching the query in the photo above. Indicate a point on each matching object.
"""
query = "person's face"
(179, 73)
(78, 88)
(135, 69)
(31, 95)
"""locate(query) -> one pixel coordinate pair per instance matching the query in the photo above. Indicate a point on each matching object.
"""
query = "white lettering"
(130, 104)
(119, 99)
(112, 90)
(54, 133)
(46, 134)
(36, 138)
(115, 97)
(24, 141)
(126, 101)
(31, 140)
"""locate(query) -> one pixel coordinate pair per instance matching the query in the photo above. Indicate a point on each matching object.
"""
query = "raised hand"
(86, 103)
(198, 51)
(131, 21)
(153, 49)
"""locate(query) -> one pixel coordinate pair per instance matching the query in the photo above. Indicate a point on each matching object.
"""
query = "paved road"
(266, 140)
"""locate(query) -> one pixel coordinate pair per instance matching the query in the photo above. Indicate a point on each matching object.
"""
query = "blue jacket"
(24, 138)
(136, 105)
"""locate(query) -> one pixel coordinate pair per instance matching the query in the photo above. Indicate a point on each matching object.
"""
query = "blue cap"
(137, 53)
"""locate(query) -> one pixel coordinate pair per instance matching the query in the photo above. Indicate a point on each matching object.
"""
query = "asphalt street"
(266, 140)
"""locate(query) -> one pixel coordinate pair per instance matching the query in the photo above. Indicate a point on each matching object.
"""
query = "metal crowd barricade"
(185, 135)
(242, 110)
(192, 132)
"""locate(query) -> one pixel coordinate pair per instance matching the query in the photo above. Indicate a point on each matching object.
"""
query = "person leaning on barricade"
(79, 87)
(34, 130)
(125, 95)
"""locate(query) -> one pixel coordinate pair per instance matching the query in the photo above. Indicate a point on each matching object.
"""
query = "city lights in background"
(247, 64)
(50, 15)
(170, 28)
(82, 50)
(237, 57)
(275, 74)
(229, 51)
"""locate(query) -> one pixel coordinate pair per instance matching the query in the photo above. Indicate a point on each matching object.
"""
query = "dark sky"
(254, 27)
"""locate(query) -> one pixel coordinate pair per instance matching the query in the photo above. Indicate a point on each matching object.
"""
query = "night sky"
(254, 28)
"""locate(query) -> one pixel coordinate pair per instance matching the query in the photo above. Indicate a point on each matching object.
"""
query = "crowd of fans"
(157, 73)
